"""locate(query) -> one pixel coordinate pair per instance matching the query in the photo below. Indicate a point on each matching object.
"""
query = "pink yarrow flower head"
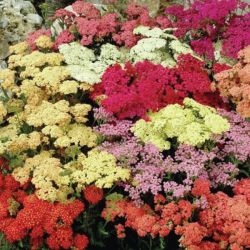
(203, 47)
(85, 9)
(64, 37)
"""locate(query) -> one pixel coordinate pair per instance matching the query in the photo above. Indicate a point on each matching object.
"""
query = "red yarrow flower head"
(61, 238)
(81, 241)
(159, 198)
(93, 194)
(218, 67)
(201, 187)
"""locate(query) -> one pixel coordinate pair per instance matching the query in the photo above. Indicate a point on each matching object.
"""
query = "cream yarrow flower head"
(51, 78)
(76, 134)
(47, 180)
(85, 66)
(39, 59)
(158, 46)
(69, 87)
(191, 124)
(80, 111)
(3, 111)
(99, 168)
(49, 114)
(14, 144)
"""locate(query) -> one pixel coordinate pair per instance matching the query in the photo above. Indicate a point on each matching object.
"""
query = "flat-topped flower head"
(191, 124)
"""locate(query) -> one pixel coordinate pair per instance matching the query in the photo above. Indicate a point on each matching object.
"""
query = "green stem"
(110, 190)
(150, 243)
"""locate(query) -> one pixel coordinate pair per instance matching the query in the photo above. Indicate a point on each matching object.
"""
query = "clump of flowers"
(206, 22)
(216, 226)
(42, 218)
(85, 66)
(135, 90)
(110, 124)
(224, 221)
(45, 121)
(152, 47)
(144, 220)
(192, 124)
(236, 37)
(92, 26)
(98, 168)
(235, 84)
(152, 173)
(235, 141)
(131, 99)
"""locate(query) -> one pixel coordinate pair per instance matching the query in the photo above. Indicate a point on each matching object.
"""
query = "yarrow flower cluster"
(208, 21)
(215, 226)
(192, 124)
(22, 213)
(234, 83)
(152, 173)
(93, 26)
(135, 90)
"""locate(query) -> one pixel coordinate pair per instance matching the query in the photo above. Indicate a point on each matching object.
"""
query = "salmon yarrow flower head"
(85, 66)
(153, 46)
(234, 83)
(99, 168)
(191, 124)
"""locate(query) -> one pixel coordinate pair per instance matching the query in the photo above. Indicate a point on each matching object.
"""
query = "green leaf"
(26, 128)
(65, 172)
(17, 161)
(72, 151)
(114, 197)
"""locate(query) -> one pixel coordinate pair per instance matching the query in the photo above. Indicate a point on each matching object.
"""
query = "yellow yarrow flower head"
(191, 124)
(69, 87)
(45, 170)
(80, 111)
(99, 168)
(7, 79)
(44, 42)
(19, 49)
(49, 114)
(3, 111)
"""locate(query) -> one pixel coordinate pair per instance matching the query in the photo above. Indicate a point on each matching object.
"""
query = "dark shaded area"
(47, 8)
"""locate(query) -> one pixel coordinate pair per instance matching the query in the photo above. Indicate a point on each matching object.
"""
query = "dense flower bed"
(128, 131)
